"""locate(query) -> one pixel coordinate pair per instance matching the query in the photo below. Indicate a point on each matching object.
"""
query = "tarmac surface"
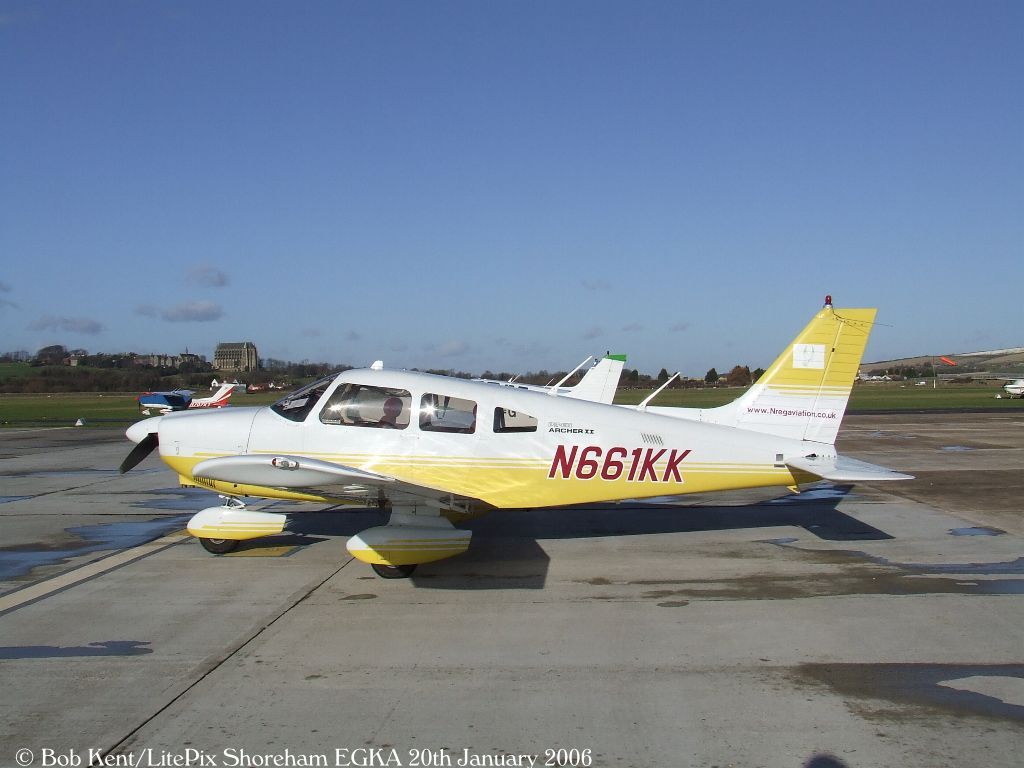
(855, 626)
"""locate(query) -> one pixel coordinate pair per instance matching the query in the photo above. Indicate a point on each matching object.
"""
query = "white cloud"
(83, 325)
(453, 348)
(206, 276)
(193, 311)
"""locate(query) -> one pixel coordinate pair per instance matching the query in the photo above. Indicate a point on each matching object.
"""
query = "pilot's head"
(392, 407)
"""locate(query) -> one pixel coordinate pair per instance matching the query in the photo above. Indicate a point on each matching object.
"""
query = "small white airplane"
(434, 449)
(1014, 388)
(598, 384)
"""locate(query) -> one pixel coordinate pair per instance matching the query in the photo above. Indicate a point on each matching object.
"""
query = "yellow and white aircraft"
(433, 449)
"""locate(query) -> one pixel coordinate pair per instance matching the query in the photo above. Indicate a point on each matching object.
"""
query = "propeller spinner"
(145, 435)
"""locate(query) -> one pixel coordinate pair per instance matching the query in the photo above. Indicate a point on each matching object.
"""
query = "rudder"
(804, 393)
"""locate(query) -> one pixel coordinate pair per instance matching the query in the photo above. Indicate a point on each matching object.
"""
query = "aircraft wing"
(301, 473)
(844, 469)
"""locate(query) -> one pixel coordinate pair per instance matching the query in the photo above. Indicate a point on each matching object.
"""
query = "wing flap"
(844, 469)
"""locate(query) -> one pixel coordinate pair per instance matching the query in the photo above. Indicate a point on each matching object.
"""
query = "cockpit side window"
(357, 405)
(507, 420)
(443, 413)
(296, 405)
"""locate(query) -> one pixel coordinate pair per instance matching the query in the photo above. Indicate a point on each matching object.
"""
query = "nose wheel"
(393, 571)
(219, 546)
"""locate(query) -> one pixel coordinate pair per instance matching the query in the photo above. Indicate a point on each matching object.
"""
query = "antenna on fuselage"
(655, 393)
(554, 390)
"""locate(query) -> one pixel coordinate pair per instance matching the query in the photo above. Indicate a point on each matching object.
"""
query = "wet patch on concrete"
(8, 499)
(175, 499)
(18, 561)
(979, 530)
(956, 448)
(904, 692)
(79, 473)
(883, 434)
(366, 596)
(834, 493)
(105, 648)
(852, 573)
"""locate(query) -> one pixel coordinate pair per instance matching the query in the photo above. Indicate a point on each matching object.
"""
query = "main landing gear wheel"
(393, 571)
(219, 546)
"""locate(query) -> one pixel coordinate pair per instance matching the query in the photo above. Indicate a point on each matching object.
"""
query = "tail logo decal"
(809, 356)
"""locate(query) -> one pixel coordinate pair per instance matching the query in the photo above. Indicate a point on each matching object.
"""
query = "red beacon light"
(828, 300)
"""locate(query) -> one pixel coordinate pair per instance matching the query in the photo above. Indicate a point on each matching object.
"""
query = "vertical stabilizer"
(803, 395)
(601, 381)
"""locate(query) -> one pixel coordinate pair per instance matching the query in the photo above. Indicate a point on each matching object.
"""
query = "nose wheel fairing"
(234, 523)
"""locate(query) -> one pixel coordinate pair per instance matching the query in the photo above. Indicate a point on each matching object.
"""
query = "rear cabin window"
(507, 420)
(357, 405)
(443, 413)
(296, 405)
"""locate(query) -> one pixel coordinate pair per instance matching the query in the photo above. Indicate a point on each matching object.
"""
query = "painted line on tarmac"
(212, 664)
(33, 593)
(35, 429)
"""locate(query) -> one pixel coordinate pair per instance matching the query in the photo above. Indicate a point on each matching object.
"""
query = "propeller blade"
(140, 451)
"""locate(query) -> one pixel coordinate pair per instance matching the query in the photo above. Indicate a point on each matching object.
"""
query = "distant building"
(236, 356)
(171, 361)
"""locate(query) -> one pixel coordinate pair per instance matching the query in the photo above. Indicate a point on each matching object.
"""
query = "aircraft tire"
(393, 571)
(219, 546)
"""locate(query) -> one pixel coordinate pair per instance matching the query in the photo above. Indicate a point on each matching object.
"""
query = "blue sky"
(509, 185)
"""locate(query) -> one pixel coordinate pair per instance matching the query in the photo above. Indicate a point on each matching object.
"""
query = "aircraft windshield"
(297, 405)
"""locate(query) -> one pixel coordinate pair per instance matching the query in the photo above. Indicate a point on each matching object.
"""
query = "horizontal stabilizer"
(284, 472)
(843, 469)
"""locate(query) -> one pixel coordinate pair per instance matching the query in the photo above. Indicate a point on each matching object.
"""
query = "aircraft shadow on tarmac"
(506, 554)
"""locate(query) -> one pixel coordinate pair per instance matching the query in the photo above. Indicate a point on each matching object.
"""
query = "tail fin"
(803, 395)
(600, 382)
(218, 399)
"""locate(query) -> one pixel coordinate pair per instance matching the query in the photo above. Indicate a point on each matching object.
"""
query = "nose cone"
(138, 431)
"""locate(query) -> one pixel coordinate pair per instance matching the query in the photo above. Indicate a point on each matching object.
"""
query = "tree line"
(123, 373)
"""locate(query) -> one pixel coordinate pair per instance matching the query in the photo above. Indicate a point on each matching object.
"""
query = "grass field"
(95, 409)
(20, 370)
(882, 396)
(113, 409)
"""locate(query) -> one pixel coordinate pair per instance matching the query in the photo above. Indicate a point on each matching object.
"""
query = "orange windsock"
(947, 361)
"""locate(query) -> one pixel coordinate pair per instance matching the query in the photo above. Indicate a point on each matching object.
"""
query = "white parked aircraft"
(1014, 388)
(433, 449)
(598, 384)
